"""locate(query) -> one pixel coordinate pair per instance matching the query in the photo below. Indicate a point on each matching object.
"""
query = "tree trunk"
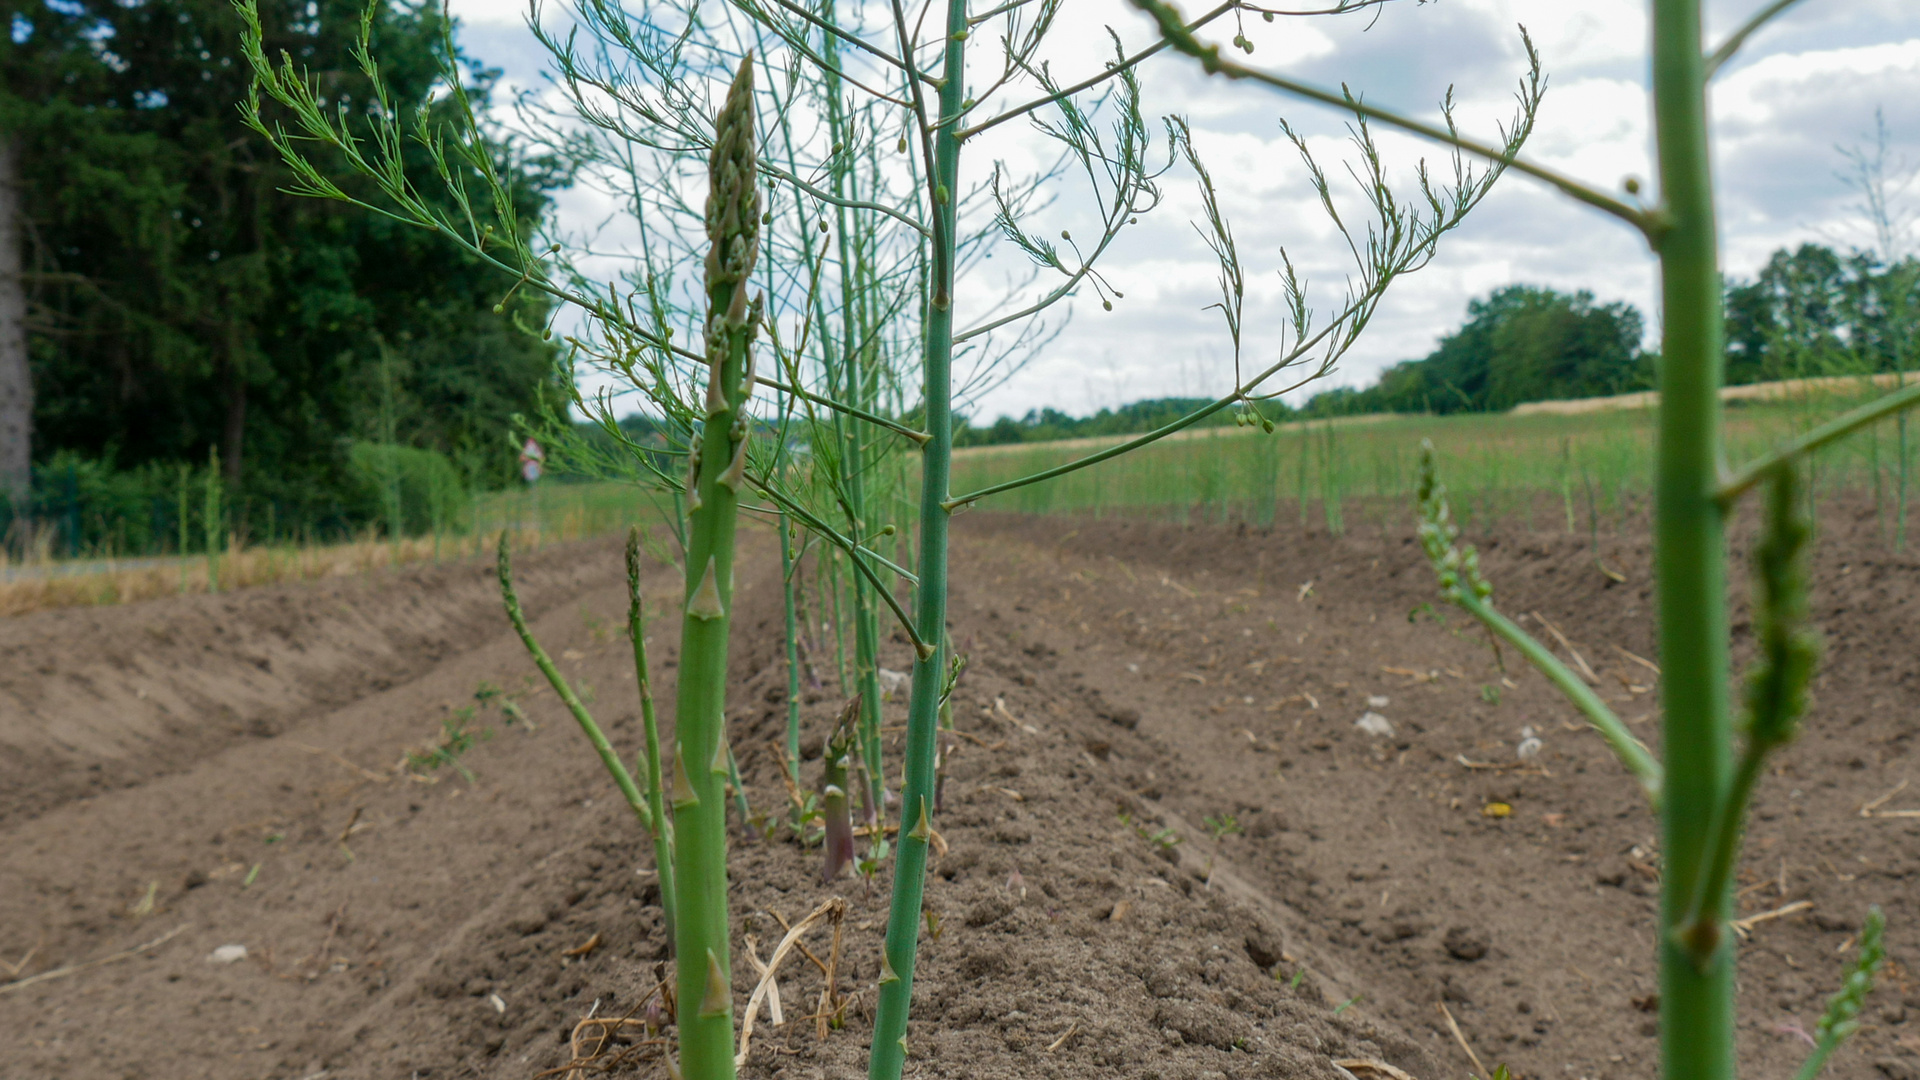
(16, 378)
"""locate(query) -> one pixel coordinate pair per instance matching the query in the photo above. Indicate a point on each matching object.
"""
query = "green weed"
(1220, 826)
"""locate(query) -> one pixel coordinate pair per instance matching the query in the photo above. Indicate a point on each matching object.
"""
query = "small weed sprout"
(1221, 826)
(1161, 839)
(511, 713)
(460, 731)
(457, 736)
(870, 863)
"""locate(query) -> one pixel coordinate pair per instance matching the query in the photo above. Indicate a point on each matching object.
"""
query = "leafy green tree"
(1813, 311)
(1522, 343)
(179, 298)
(1042, 425)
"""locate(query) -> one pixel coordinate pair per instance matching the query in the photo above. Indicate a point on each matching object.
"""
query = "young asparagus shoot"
(608, 756)
(835, 805)
(1462, 584)
(790, 751)
(659, 825)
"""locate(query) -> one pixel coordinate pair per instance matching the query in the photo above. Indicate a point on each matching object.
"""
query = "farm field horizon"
(1586, 470)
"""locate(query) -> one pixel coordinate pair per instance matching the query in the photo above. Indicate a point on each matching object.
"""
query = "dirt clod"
(1204, 1023)
(1465, 944)
(988, 911)
(1263, 948)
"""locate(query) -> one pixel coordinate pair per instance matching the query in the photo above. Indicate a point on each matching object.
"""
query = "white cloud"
(490, 12)
(1801, 86)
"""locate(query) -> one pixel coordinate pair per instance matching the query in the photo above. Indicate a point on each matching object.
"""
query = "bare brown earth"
(1130, 680)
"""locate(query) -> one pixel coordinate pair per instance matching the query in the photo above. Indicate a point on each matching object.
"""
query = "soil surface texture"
(1224, 803)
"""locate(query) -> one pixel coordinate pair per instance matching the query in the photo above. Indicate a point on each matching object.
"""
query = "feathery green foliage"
(868, 300)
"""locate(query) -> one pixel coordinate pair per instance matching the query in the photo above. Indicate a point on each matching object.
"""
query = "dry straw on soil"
(239, 568)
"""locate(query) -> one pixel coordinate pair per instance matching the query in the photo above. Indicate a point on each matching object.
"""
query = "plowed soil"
(1171, 853)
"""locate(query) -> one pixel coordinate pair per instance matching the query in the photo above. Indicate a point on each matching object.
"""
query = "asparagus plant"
(1701, 787)
(658, 824)
(649, 806)
(790, 609)
(213, 520)
(1125, 186)
(644, 103)
(715, 475)
(834, 782)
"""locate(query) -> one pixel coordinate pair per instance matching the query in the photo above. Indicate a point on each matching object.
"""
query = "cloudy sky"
(1802, 89)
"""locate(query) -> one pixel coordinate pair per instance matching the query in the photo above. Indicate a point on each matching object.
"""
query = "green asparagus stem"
(930, 606)
(858, 389)
(700, 763)
(793, 658)
(608, 756)
(658, 823)
(1461, 583)
(1696, 1000)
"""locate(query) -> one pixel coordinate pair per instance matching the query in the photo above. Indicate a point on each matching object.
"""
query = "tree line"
(1809, 311)
(166, 303)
